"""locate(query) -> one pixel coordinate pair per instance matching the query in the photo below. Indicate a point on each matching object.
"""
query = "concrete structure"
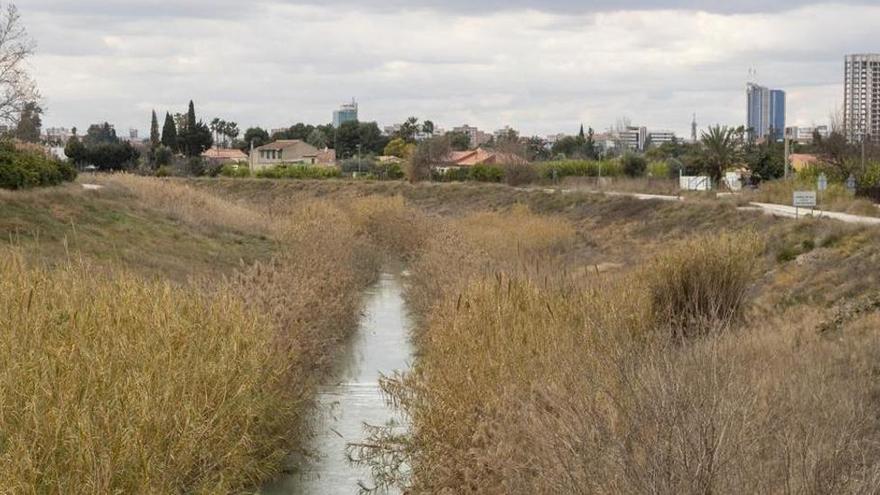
(659, 137)
(632, 138)
(861, 97)
(765, 112)
(57, 135)
(804, 135)
(289, 152)
(347, 112)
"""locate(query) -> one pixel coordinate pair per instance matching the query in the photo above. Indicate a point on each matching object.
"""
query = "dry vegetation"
(567, 343)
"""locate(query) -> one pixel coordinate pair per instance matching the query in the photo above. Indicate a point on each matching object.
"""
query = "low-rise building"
(805, 135)
(222, 156)
(477, 137)
(290, 152)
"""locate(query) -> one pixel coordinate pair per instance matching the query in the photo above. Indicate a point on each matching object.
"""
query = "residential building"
(800, 161)
(765, 112)
(289, 152)
(347, 112)
(504, 132)
(223, 156)
(861, 97)
(476, 136)
(479, 156)
(57, 135)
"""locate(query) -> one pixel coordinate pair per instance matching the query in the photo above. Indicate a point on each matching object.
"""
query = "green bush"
(26, 169)
(486, 173)
(298, 172)
(163, 171)
(578, 168)
(633, 165)
(235, 170)
(517, 174)
(658, 169)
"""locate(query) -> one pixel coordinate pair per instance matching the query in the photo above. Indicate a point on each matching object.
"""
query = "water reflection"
(380, 346)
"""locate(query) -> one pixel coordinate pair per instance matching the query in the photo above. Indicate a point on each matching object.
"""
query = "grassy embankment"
(715, 357)
(144, 356)
(567, 344)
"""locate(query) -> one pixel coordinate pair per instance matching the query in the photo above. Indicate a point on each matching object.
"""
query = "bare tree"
(16, 86)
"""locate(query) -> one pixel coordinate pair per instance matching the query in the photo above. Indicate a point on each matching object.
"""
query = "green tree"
(589, 148)
(458, 141)
(169, 133)
(408, 130)
(100, 134)
(256, 135)
(568, 146)
(155, 139)
(428, 127)
(75, 151)
(347, 139)
(721, 148)
(395, 147)
(317, 139)
(29, 123)
(633, 165)
(371, 139)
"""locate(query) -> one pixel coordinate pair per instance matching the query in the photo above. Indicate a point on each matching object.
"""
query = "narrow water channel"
(352, 397)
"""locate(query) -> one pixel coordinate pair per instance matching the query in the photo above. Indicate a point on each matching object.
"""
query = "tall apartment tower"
(861, 97)
(765, 112)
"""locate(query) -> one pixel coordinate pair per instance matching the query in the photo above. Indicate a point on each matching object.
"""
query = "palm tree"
(721, 147)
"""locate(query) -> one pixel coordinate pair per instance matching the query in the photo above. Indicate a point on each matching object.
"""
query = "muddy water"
(353, 398)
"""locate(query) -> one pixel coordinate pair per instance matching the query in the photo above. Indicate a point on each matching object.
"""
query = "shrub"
(164, 171)
(298, 172)
(485, 173)
(633, 165)
(658, 170)
(26, 169)
(517, 174)
(236, 170)
(701, 283)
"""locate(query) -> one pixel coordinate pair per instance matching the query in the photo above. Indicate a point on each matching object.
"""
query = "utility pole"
(787, 156)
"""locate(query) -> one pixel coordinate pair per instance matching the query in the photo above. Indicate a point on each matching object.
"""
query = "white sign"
(695, 183)
(804, 199)
(823, 182)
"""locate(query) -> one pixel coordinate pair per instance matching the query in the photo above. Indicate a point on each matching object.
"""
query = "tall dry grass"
(549, 381)
(110, 384)
(188, 204)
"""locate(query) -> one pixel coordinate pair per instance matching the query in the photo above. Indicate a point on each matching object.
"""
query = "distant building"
(765, 112)
(660, 137)
(504, 132)
(289, 152)
(476, 136)
(804, 135)
(56, 135)
(347, 112)
(632, 138)
(861, 97)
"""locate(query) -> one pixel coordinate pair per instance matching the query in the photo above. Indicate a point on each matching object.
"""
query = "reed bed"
(110, 384)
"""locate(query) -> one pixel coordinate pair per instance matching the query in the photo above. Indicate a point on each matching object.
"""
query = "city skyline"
(536, 69)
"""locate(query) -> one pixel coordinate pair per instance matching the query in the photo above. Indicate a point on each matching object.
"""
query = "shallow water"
(380, 346)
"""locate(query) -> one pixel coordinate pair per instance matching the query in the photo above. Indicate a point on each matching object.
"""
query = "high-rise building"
(765, 112)
(861, 97)
(347, 112)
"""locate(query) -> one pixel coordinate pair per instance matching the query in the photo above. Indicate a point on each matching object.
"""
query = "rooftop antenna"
(694, 129)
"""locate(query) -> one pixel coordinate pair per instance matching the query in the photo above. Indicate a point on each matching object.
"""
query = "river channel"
(352, 396)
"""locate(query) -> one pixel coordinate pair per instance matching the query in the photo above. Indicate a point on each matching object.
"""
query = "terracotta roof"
(802, 160)
(224, 154)
(480, 156)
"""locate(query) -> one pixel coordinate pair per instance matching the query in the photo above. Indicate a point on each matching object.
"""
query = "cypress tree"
(154, 131)
(169, 133)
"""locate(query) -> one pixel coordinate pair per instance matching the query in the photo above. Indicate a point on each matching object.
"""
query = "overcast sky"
(539, 66)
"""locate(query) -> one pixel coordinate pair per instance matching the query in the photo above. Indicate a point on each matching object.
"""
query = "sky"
(542, 67)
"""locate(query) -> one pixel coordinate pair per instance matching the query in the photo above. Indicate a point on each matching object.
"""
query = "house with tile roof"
(290, 152)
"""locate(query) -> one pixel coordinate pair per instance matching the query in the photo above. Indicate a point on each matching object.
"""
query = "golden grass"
(110, 384)
(835, 198)
(188, 204)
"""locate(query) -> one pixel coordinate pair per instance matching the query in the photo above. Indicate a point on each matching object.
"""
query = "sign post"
(803, 199)
(822, 183)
